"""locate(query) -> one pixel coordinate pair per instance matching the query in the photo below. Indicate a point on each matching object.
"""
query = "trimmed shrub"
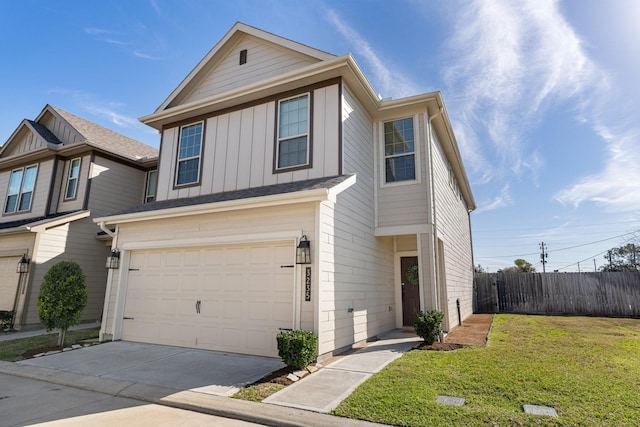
(428, 325)
(62, 297)
(297, 348)
(6, 320)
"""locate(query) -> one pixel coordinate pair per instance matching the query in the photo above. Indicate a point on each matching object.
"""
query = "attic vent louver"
(243, 56)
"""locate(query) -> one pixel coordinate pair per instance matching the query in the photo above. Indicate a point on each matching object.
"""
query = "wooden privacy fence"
(613, 294)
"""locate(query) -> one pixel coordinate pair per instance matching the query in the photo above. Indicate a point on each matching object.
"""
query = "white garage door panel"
(8, 282)
(245, 297)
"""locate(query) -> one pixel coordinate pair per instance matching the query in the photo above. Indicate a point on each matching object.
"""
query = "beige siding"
(66, 205)
(243, 224)
(453, 230)
(40, 192)
(238, 149)
(356, 268)
(75, 241)
(264, 60)
(26, 141)
(62, 131)
(404, 203)
(108, 179)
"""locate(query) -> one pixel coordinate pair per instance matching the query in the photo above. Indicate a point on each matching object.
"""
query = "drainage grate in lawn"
(539, 410)
(450, 400)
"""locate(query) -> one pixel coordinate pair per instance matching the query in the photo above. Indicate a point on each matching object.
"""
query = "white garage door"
(231, 298)
(8, 282)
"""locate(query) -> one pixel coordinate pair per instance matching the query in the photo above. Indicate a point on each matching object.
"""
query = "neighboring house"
(57, 172)
(265, 144)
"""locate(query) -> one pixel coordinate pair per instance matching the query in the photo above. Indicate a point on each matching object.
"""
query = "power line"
(562, 249)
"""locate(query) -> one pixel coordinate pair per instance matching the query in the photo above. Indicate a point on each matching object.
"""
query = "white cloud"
(509, 63)
(386, 81)
(617, 186)
(500, 201)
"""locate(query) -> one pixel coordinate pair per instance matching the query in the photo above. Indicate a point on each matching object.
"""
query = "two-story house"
(271, 152)
(57, 172)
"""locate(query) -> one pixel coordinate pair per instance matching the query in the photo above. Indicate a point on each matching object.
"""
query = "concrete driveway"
(159, 366)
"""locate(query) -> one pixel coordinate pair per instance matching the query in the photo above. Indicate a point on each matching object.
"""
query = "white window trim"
(416, 153)
(69, 178)
(20, 192)
(307, 134)
(199, 156)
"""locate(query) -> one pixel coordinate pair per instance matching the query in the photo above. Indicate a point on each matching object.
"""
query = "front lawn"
(13, 350)
(587, 368)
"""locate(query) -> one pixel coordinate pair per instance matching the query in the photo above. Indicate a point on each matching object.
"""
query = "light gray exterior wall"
(356, 268)
(238, 149)
(453, 230)
(264, 60)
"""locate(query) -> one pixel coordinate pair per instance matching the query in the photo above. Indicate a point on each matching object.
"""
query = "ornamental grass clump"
(297, 348)
(428, 325)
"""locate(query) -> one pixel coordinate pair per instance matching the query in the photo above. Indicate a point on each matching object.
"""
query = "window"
(152, 183)
(20, 193)
(399, 150)
(72, 179)
(293, 132)
(189, 150)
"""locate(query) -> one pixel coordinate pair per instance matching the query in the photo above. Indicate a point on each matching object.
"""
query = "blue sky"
(544, 96)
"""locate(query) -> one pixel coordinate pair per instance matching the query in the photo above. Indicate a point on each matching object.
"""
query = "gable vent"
(243, 56)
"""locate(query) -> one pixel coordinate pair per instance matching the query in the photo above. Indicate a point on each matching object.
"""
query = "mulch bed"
(439, 346)
(30, 353)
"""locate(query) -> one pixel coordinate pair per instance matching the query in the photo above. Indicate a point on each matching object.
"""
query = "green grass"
(257, 392)
(588, 369)
(12, 350)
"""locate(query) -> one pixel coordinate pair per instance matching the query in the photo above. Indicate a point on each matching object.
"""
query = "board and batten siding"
(264, 60)
(404, 203)
(28, 141)
(243, 225)
(356, 269)
(238, 149)
(40, 192)
(453, 230)
(63, 131)
(108, 179)
(73, 241)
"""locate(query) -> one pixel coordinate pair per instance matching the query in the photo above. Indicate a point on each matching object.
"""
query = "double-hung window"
(292, 146)
(189, 152)
(72, 179)
(399, 150)
(21, 186)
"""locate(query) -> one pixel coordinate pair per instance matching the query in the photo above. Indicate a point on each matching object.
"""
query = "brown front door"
(410, 290)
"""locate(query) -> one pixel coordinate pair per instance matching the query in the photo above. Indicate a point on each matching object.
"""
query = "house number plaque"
(307, 284)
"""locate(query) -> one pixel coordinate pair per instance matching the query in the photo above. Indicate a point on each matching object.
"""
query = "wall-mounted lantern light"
(113, 260)
(303, 251)
(23, 264)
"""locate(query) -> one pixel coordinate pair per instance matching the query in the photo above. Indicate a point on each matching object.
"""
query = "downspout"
(436, 299)
(107, 295)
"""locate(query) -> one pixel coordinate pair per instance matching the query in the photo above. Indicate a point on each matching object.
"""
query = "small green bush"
(428, 325)
(297, 348)
(6, 320)
(62, 297)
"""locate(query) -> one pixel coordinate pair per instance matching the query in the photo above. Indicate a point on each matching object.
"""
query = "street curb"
(259, 413)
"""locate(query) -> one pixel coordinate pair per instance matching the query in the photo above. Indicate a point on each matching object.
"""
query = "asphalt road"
(26, 402)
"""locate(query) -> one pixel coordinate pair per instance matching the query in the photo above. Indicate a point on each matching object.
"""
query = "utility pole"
(610, 263)
(543, 256)
(595, 269)
(578, 266)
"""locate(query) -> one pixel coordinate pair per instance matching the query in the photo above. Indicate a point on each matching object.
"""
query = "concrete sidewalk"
(325, 389)
(128, 370)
